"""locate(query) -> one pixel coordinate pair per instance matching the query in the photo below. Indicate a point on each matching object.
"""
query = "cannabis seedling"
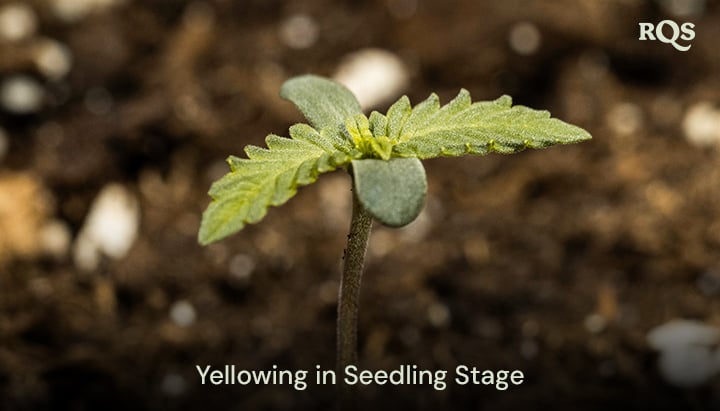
(382, 152)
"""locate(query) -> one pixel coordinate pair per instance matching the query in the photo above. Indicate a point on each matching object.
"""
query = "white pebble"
(74, 10)
(702, 124)
(299, 31)
(183, 313)
(373, 75)
(689, 353)
(4, 144)
(53, 59)
(21, 95)
(689, 366)
(241, 267)
(595, 323)
(110, 228)
(438, 315)
(625, 119)
(683, 8)
(683, 332)
(55, 238)
(525, 38)
(17, 22)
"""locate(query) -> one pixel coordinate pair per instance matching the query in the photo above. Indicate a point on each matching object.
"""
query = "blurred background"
(116, 116)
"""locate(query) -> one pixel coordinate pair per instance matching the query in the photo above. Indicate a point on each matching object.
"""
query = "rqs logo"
(650, 31)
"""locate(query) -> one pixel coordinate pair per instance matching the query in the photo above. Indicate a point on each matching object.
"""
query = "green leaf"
(463, 127)
(325, 103)
(269, 177)
(393, 191)
(384, 149)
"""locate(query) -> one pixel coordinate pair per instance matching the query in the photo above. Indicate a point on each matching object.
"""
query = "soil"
(555, 262)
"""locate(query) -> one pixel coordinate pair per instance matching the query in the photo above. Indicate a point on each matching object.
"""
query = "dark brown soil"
(510, 259)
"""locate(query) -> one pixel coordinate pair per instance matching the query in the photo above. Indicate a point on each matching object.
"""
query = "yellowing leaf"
(268, 177)
(384, 149)
(463, 127)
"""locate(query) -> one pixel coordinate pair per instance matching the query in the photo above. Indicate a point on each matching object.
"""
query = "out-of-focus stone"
(438, 315)
(625, 119)
(525, 38)
(689, 353)
(17, 21)
(299, 31)
(74, 10)
(55, 238)
(110, 228)
(182, 313)
(52, 58)
(373, 75)
(701, 124)
(21, 95)
(683, 8)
